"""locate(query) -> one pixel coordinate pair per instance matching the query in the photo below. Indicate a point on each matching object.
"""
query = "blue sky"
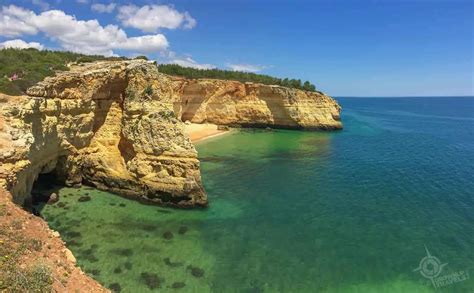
(346, 48)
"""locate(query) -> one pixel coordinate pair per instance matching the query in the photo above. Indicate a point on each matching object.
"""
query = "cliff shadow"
(191, 100)
(104, 97)
(279, 111)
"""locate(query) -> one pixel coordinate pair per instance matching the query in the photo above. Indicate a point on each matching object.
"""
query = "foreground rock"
(107, 124)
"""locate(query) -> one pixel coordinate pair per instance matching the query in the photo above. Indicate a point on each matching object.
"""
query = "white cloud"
(20, 44)
(82, 1)
(189, 62)
(85, 36)
(145, 44)
(14, 21)
(150, 18)
(246, 67)
(103, 8)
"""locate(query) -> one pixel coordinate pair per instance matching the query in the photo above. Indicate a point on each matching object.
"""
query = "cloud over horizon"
(150, 18)
(20, 44)
(246, 67)
(89, 36)
(189, 62)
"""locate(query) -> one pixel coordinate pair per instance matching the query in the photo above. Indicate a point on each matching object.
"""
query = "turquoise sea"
(292, 211)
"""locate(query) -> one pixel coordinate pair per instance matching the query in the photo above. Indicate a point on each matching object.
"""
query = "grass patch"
(13, 278)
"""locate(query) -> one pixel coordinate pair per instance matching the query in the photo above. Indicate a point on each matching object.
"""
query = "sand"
(200, 132)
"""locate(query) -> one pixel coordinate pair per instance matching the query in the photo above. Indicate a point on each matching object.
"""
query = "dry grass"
(13, 245)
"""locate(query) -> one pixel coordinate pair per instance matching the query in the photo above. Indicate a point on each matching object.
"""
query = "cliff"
(118, 126)
(107, 124)
(249, 104)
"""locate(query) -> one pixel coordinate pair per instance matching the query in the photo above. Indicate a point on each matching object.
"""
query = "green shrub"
(148, 90)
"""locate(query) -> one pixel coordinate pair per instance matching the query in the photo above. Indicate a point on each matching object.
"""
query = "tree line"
(188, 72)
(22, 68)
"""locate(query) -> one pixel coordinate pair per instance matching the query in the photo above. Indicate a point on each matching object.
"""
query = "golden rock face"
(249, 104)
(118, 125)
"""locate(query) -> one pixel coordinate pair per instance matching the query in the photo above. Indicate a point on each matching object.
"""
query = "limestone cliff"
(107, 124)
(118, 125)
(254, 105)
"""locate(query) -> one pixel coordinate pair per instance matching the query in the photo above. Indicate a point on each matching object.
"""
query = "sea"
(384, 205)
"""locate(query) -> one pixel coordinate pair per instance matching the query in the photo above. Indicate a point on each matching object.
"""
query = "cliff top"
(23, 68)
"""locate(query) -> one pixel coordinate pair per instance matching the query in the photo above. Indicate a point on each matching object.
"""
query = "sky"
(346, 48)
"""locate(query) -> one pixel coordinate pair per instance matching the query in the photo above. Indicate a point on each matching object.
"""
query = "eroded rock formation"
(110, 125)
(118, 125)
(249, 104)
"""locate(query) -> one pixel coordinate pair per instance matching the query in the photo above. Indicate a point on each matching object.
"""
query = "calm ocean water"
(291, 211)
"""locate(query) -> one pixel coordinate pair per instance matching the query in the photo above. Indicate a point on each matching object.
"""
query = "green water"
(348, 211)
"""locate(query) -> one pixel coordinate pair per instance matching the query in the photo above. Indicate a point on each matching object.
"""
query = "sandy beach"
(200, 132)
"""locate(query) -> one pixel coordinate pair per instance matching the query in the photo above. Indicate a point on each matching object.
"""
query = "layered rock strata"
(108, 124)
(249, 104)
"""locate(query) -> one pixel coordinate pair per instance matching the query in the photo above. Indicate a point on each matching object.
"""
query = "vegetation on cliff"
(13, 248)
(22, 68)
(174, 69)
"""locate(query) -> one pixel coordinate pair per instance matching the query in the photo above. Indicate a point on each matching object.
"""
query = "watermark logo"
(431, 268)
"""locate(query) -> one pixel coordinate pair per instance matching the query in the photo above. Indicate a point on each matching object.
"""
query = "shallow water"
(347, 211)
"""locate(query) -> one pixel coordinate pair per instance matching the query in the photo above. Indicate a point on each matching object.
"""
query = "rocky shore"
(119, 126)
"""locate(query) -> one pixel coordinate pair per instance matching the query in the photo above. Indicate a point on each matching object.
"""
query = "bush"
(148, 90)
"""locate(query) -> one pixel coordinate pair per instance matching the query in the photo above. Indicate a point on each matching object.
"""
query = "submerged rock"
(169, 263)
(182, 230)
(118, 270)
(73, 234)
(151, 280)
(178, 285)
(122, 251)
(195, 271)
(168, 235)
(122, 205)
(84, 198)
(128, 265)
(115, 287)
(61, 204)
